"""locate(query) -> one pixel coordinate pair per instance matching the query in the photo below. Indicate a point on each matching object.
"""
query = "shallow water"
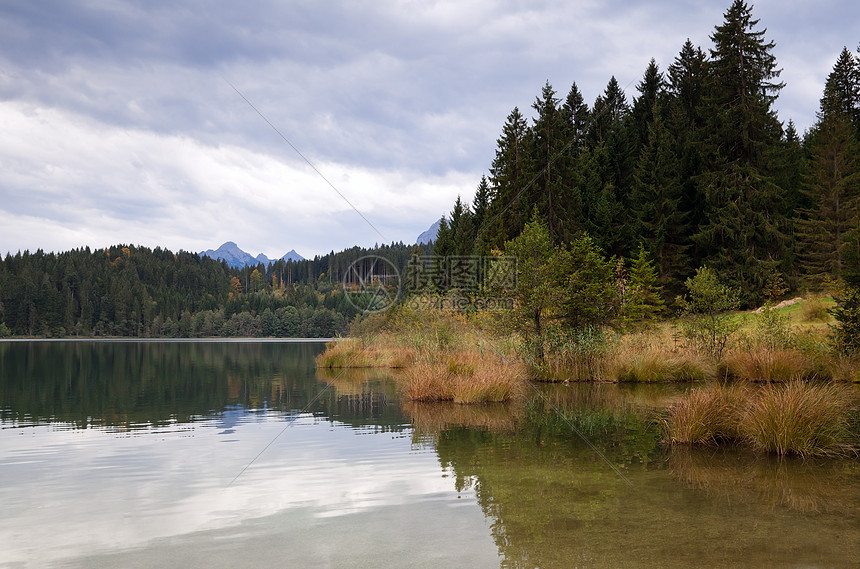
(212, 454)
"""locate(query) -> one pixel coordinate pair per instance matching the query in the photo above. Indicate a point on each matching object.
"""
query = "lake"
(240, 454)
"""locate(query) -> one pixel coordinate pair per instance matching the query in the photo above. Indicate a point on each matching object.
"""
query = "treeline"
(141, 292)
(697, 169)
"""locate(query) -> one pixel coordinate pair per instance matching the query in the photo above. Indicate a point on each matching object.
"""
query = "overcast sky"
(118, 123)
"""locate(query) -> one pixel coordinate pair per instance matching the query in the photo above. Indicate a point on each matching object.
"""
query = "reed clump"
(798, 417)
(378, 352)
(656, 364)
(464, 377)
(705, 416)
(769, 365)
(801, 418)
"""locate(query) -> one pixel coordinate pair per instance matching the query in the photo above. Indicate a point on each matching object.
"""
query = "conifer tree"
(576, 116)
(549, 145)
(744, 231)
(661, 226)
(507, 212)
(650, 88)
(644, 302)
(825, 228)
(685, 123)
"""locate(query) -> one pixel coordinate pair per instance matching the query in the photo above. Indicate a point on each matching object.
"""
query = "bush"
(706, 301)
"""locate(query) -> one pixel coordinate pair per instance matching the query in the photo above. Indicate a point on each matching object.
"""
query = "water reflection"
(122, 455)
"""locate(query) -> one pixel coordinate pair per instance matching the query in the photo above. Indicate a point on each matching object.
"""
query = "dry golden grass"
(801, 418)
(376, 352)
(844, 368)
(658, 364)
(706, 415)
(767, 365)
(464, 377)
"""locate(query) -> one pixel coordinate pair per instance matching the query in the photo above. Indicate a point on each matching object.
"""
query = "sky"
(151, 122)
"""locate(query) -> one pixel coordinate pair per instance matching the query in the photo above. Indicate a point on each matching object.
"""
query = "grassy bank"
(444, 356)
(469, 358)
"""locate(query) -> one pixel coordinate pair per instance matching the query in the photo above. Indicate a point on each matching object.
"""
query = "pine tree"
(650, 88)
(576, 116)
(686, 124)
(842, 90)
(549, 145)
(507, 213)
(462, 229)
(661, 226)
(744, 231)
(481, 201)
(825, 228)
(644, 302)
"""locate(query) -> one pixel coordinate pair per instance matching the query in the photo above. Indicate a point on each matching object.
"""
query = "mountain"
(292, 256)
(235, 257)
(430, 234)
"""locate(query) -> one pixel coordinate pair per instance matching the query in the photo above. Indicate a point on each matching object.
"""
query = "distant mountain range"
(236, 257)
(430, 234)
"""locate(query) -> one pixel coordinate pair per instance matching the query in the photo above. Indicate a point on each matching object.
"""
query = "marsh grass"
(706, 415)
(769, 365)
(656, 364)
(807, 419)
(802, 418)
(464, 377)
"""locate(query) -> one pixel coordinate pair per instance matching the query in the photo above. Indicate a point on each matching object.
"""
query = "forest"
(697, 169)
(141, 292)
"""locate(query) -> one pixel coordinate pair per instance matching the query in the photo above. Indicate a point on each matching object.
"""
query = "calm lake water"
(239, 454)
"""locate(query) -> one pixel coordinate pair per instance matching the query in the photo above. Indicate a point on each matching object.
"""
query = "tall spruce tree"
(576, 116)
(832, 186)
(661, 225)
(507, 211)
(547, 153)
(743, 234)
(651, 88)
(686, 124)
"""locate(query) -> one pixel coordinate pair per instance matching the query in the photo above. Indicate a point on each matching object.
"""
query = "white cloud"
(69, 177)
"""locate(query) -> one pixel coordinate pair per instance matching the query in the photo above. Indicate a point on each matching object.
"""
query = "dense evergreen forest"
(697, 169)
(141, 292)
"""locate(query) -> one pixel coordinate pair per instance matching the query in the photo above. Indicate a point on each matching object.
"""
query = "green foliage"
(4, 330)
(642, 300)
(847, 314)
(773, 329)
(706, 301)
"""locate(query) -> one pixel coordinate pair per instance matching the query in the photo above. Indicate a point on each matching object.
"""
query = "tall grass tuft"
(798, 418)
(464, 377)
(770, 365)
(654, 365)
(705, 415)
